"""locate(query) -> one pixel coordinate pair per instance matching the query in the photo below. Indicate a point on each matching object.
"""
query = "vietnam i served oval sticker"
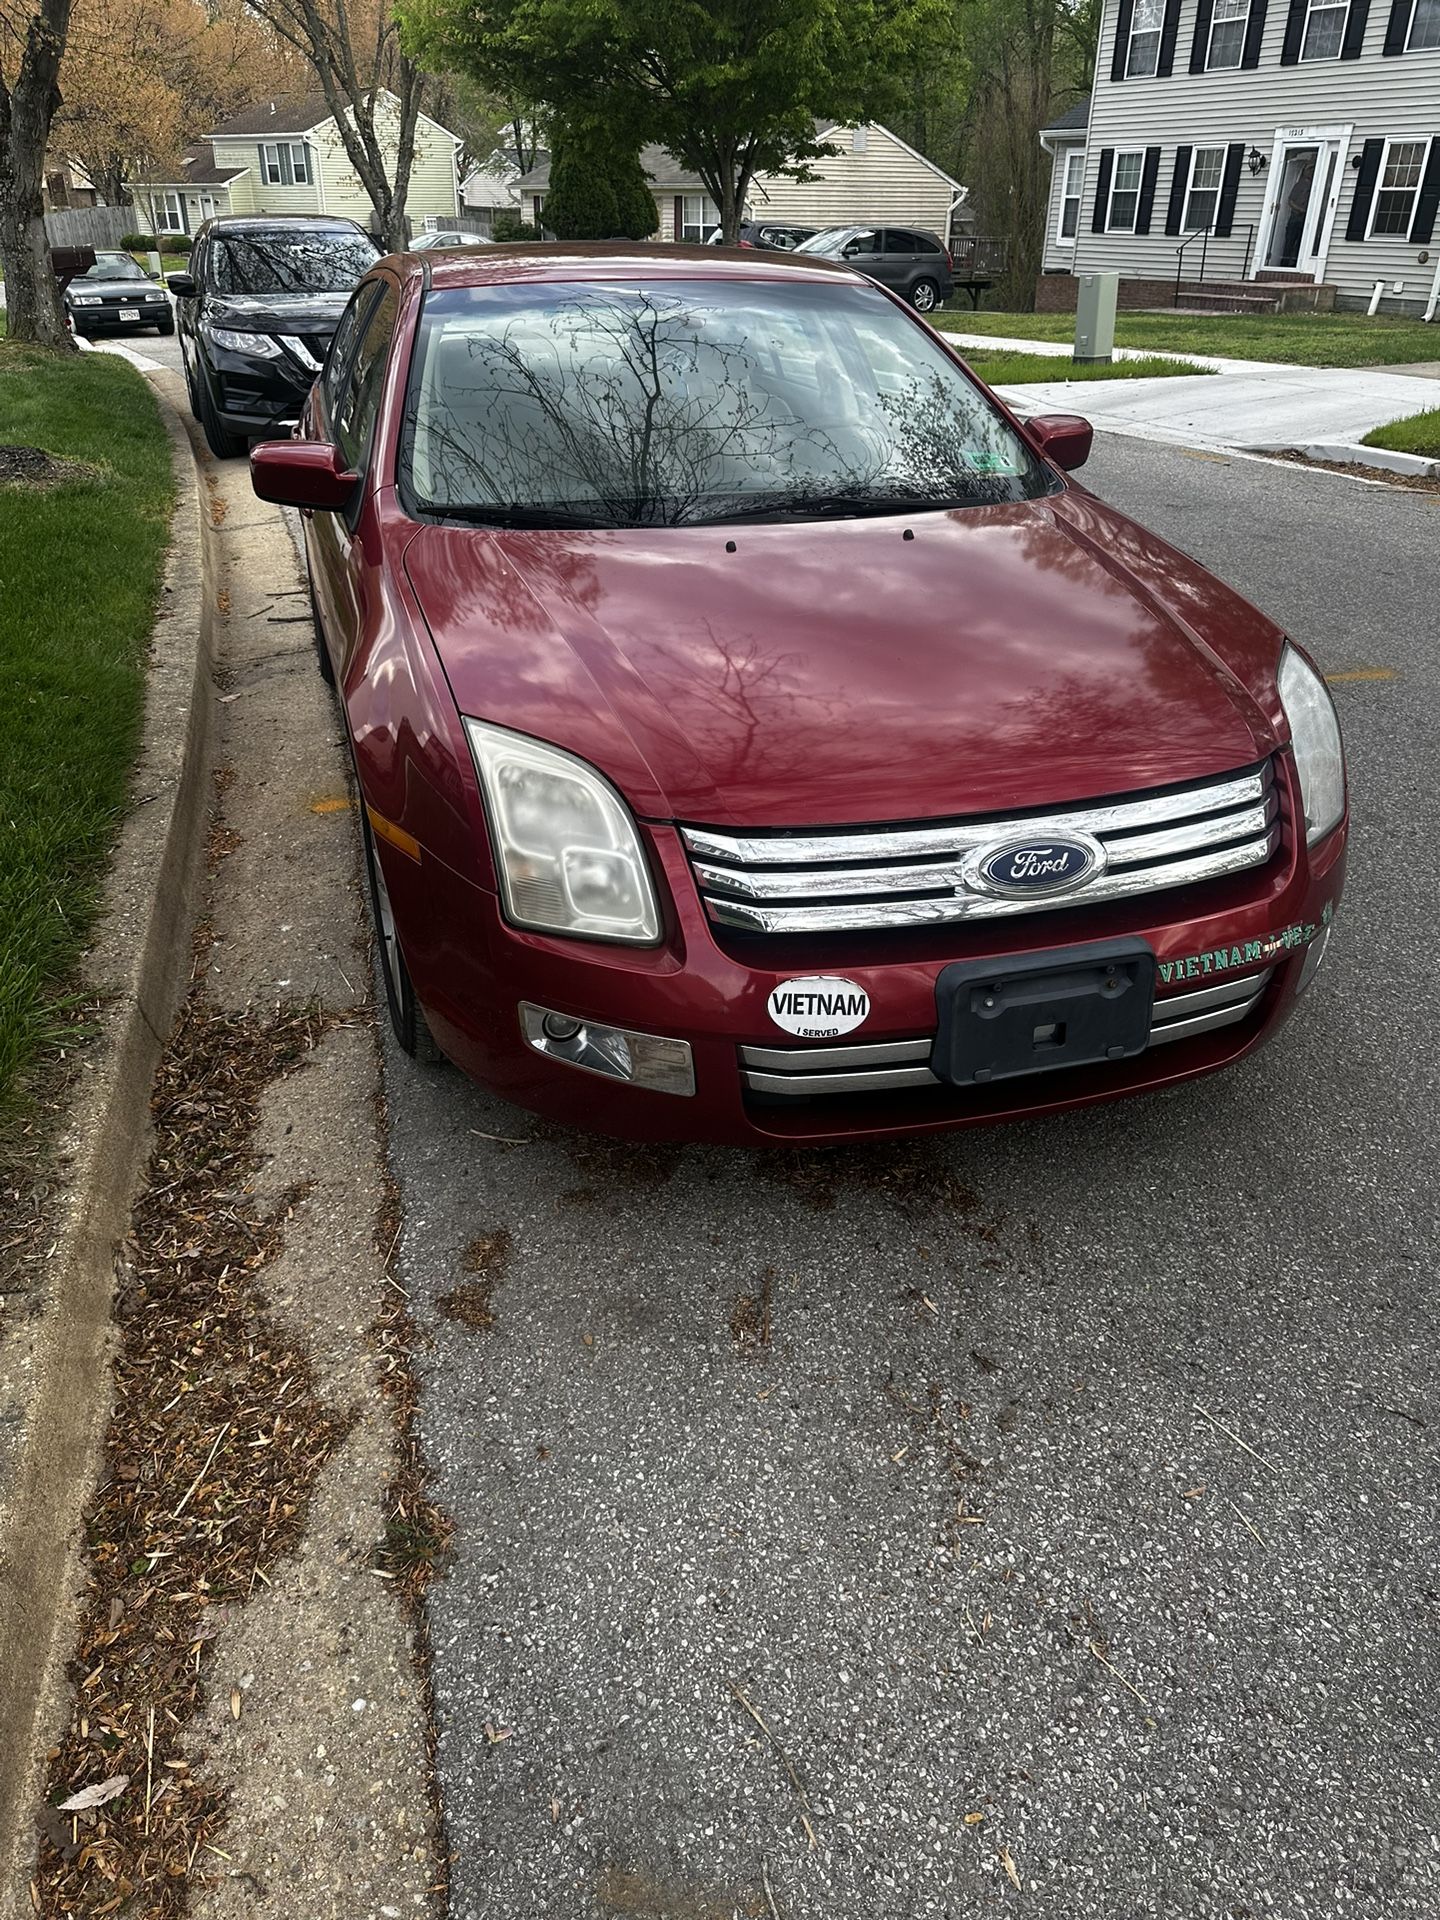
(819, 1006)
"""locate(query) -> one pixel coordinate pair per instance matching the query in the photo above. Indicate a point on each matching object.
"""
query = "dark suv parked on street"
(262, 297)
(911, 261)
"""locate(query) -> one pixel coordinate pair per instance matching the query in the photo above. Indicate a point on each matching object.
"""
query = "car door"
(348, 399)
(862, 250)
(901, 256)
(187, 310)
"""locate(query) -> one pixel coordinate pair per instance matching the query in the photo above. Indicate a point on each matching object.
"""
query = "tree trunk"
(35, 311)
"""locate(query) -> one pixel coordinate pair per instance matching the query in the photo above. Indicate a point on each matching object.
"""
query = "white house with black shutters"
(1253, 153)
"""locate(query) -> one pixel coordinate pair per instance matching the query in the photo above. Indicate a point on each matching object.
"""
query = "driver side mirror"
(1062, 437)
(183, 284)
(302, 473)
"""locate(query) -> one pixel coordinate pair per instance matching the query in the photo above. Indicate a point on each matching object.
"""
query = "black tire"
(190, 392)
(407, 1017)
(322, 652)
(924, 296)
(224, 444)
(166, 326)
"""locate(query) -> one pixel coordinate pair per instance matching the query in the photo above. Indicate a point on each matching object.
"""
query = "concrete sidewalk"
(1243, 403)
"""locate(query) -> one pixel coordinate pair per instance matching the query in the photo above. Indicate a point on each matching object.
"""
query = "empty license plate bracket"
(1032, 1013)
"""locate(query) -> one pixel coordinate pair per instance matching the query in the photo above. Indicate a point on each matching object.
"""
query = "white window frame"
(1341, 7)
(1124, 153)
(859, 139)
(1229, 66)
(1410, 46)
(291, 164)
(1155, 33)
(1187, 224)
(1063, 239)
(1404, 140)
(695, 232)
(168, 212)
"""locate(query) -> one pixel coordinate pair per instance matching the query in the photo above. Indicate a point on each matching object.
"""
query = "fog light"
(638, 1059)
(1313, 958)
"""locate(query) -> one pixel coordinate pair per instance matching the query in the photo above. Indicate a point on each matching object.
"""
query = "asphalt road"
(923, 1449)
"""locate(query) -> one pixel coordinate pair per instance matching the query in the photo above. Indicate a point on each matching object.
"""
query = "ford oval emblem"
(1032, 866)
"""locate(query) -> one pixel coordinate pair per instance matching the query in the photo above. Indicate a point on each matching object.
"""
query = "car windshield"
(289, 261)
(114, 266)
(828, 242)
(678, 403)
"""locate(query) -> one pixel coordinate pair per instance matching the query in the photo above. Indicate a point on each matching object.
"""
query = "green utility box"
(1095, 318)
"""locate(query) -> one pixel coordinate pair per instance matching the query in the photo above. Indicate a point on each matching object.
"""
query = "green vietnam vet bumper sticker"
(1246, 953)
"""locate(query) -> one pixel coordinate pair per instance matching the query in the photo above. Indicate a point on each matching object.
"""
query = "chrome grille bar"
(883, 1066)
(910, 876)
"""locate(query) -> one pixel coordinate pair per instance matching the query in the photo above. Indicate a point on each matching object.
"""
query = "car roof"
(561, 260)
(267, 222)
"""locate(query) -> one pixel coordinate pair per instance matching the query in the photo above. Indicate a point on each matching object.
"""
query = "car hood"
(277, 312)
(128, 289)
(983, 660)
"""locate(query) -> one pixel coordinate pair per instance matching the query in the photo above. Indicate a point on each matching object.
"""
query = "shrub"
(139, 242)
(180, 243)
(509, 226)
(598, 189)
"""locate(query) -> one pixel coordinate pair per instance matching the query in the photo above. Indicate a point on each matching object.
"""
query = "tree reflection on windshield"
(626, 406)
(289, 262)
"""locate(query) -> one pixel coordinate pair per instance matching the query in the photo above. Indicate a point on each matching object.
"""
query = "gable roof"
(276, 116)
(1075, 119)
(664, 172)
(197, 169)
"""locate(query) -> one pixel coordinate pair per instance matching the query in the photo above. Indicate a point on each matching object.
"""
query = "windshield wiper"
(830, 506)
(519, 517)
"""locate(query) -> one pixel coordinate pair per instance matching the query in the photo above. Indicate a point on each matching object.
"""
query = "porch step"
(1214, 299)
(1268, 293)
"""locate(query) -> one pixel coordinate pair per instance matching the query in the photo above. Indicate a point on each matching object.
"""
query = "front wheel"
(407, 1018)
(165, 326)
(224, 444)
(924, 296)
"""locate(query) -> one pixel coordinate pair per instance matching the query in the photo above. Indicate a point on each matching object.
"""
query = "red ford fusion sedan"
(761, 738)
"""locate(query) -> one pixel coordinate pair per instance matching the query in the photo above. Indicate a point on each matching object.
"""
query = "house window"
(1227, 33)
(285, 163)
(1144, 57)
(1400, 173)
(1125, 192)
(701, 217)
(1206, 166)
(1074, 179)
(859, 139)
(1324, 30)
(1424, 26)
(169, 212)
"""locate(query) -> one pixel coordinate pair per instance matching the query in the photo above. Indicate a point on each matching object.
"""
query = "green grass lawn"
(1300, 339)
(1012, 369)
(1419, 434)
(80, 567)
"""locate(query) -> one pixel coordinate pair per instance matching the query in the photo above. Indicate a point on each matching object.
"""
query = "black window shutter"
(1359, 221)
(1102, 188)
(1200, 42)
(1179, 181)
(1355, 24)
(1169, 32)
(1427, 201)
(1294, 33)
(1149, 174)
(1124, 14)
(1397, 27)
(1229, 188)
(1254, 34)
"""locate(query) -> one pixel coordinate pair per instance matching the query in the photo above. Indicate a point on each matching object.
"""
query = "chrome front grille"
(882, 1066)
(851, 879)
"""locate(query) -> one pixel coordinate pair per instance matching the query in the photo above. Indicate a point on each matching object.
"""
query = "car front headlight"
(86, 299)
(567, 851)
(1315, 739)
(256, 343)
(154, 294)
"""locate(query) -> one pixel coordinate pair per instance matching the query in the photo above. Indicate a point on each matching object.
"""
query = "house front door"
(1300, 210)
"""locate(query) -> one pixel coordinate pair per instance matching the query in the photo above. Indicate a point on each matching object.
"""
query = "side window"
(923, 244)
(859, 244)
(353, 420)
(897, 240)
(337, 361)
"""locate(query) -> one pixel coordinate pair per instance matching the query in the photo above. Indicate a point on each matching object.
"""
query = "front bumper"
(107, 320)
(1229, 959)
(258, 395)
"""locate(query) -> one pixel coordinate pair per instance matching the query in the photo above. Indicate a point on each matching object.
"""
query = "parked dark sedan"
(257, 309)
(911, 261)
(117, 295)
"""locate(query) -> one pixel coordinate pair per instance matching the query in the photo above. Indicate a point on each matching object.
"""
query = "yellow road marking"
(397, 836)
(331, 803)
(1362, 673)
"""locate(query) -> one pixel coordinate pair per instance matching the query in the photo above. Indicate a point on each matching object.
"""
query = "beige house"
(286, 156)
(871, 175)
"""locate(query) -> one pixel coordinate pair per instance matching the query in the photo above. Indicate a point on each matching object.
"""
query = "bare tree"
(360, 64)
(28, 104)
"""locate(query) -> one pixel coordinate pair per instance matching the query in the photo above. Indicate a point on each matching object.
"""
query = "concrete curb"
(139, 967)
(1347, 453)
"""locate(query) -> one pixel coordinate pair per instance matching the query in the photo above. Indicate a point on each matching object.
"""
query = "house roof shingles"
(1075, 119)
(275, 116)
(660, 166)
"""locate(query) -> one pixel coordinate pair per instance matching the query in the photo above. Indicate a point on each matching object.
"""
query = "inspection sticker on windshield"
(984, 460)
(819, 1006)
